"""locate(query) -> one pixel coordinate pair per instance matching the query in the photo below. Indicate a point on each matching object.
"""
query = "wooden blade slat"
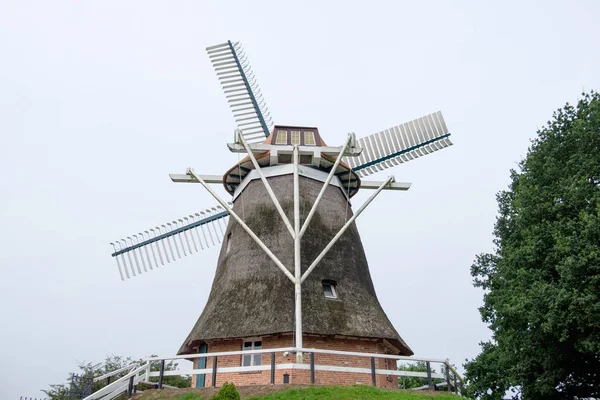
(401, 143)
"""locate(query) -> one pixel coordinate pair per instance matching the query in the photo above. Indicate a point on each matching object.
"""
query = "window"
(284, 159)
(281, 137)
(306, 159)
(329, 290)
(309, 138)
(228, 243)
(249, 360)
(295, 137)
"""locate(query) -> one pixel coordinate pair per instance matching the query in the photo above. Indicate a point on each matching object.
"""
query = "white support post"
(267, 186)
(147, 377)
(346, 225)
(246, 228)
(183, 178)
(389, 186)
(297, 260)
(325, 185)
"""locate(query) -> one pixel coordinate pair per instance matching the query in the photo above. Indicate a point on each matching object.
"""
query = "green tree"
(409, 382)
(542, 282)
(88, 371)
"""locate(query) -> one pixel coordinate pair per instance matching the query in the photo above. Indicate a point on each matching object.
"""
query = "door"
(201, 364)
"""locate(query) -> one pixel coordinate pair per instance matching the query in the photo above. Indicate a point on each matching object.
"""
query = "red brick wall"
(303, 376)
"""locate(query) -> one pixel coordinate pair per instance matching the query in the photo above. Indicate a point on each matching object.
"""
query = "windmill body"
(251, 300)
(292, 271)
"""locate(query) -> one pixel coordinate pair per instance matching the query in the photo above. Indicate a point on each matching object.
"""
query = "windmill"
(288, 227)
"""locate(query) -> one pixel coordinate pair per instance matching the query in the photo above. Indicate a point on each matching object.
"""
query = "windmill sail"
(241, 90)
(400, 143)
(168, 242)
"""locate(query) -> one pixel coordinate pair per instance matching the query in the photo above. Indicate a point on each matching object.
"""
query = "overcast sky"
(99, 101)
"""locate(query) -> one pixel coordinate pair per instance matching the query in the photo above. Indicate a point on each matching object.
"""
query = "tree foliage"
(80, 383)
(542, 283)
(410, 382)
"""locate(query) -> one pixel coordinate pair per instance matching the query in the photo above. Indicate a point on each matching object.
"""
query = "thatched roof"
(251, 297)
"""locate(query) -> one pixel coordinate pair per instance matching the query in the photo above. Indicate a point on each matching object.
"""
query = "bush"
(227, 392)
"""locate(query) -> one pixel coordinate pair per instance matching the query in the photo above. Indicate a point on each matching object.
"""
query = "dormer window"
(309, 138)
(329, 290)
(282, 137)
(295, 137)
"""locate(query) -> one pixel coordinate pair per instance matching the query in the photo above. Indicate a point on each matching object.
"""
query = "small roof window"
(309, 138)
(228, 243)
(281, 137)
(295, 137)
(329, 290)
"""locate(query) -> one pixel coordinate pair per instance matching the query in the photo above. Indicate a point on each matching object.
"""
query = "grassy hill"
(281, 392)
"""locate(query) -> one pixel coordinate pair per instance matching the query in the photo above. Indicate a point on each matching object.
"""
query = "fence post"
(312, 368)
(429, 380)
(148, 371)
(214, 372)
(161, 374)
(272, 368)
(448, 376)
(455, 387)
(373, 373)
(130, 387)
(108, 381)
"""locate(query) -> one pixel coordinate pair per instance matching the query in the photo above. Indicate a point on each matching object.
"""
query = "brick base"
(302, 377)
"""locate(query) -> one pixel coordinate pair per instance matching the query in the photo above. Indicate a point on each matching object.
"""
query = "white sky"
(99, 101)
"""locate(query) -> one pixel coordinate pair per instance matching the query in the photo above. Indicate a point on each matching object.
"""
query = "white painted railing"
(136, 374)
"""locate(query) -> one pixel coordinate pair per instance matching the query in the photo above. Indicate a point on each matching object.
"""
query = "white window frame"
(311, 135)
(333, 291)
(252, 357)
(281, 134)
(296, 135)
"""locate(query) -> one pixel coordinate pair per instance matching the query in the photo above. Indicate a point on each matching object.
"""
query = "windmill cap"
(286, 135)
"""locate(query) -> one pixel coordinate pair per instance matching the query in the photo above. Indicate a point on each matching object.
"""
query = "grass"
(307, 393)
(351, 393)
